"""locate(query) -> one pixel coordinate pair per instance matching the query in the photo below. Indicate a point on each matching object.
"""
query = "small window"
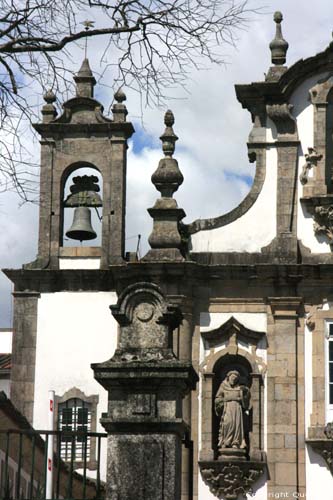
(329, 373)
(330, 363)
(75, 415)
(77, 412)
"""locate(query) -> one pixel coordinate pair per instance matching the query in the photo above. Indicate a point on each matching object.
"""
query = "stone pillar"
(183, 349)
(24, 352)
(284, 245)
(257, 399)
(285, 450)
(207, 452)
(146, 385)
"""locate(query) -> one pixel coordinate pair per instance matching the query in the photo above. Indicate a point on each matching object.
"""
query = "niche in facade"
(232, 407)
(232, 423)
(82, 206)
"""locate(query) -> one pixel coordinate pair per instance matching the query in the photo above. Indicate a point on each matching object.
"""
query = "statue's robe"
(230, 402)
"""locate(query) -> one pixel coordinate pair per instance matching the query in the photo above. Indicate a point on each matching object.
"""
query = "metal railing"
(25, 465)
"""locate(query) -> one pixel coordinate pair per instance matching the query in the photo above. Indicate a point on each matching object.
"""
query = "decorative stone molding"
(146, 322)
(321, 209)
(323, 217)
(285, 307)
(319, 92)
(231, 330)
(322, 445)
(311, 160)
(229, 480)
(281, 115)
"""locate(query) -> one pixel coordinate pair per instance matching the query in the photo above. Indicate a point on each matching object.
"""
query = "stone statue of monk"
(230, 402)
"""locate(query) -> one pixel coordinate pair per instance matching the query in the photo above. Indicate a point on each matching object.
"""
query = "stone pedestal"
(146, 385)
(232, 454)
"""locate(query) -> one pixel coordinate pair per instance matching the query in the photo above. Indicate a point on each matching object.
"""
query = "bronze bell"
(81, 228)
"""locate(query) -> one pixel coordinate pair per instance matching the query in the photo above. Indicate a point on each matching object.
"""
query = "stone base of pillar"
(143, 467)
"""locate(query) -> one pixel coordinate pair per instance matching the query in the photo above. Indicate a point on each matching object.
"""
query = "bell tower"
(79, 141)
(58, 296)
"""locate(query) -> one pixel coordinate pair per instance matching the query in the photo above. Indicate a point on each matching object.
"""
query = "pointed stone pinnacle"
(85, 80)
(85, 69)
(278, 46)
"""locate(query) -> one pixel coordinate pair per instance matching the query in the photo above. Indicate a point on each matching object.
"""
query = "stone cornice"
(66, 130)
(188, 275)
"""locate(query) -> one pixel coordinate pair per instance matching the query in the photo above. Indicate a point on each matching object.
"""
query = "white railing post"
(50, 448)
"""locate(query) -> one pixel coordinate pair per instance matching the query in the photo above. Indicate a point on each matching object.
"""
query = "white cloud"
(211, 125)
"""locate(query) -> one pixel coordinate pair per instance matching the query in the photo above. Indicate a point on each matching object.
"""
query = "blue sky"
(211, 126)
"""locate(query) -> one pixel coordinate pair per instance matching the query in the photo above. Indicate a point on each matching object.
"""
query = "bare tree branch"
(156, 44)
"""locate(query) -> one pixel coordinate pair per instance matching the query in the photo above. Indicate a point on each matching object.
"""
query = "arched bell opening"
(82, 205)
(224, 365)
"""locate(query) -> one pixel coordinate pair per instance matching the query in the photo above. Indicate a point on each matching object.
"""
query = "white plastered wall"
(318, 476)
(253, 230)
(253, 321)
(77, 263)
(6, 338)
(74, 329)
(303, 111)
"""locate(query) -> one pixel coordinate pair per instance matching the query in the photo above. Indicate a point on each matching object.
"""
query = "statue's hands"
(218, 407)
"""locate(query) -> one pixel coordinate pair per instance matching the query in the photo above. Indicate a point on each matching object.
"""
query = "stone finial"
(165, 239)
(119, 109)
(85, 80)
(49, 111)
(120, 96)
(167, 178)
(168, 138)
(49, 97)
(279, 46)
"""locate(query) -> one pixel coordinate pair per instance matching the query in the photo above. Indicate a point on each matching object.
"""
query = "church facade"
(213, 372)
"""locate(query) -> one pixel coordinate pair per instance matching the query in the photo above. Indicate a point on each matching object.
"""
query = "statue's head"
(233, 377)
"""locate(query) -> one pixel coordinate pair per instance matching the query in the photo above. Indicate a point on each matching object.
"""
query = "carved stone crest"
(230, 480)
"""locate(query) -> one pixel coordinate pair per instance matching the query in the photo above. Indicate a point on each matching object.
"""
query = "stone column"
(24, 352)
(285, 450)
(146, 385)
(184, 353)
